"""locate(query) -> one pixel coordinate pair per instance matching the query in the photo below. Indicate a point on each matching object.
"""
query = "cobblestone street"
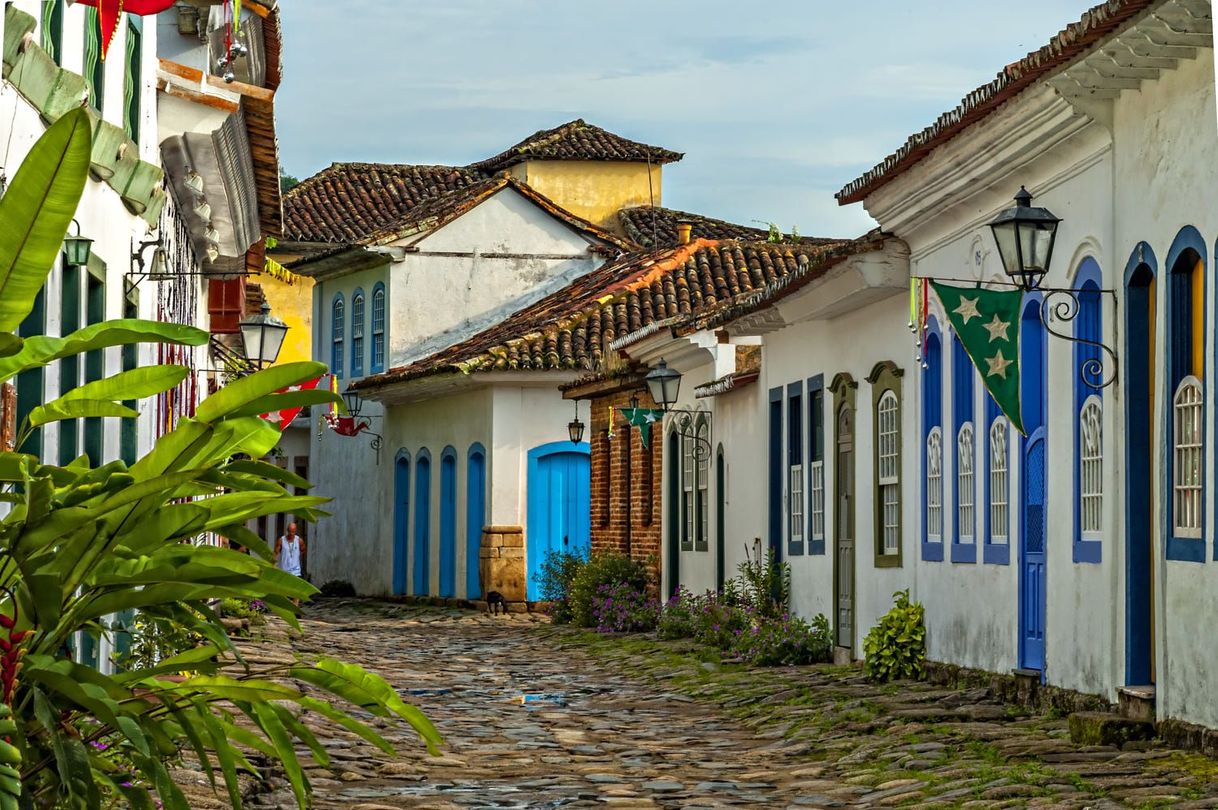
(630, 722)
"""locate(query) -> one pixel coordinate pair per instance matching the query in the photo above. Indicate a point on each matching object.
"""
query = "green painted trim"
(883, 378)
(54, 91)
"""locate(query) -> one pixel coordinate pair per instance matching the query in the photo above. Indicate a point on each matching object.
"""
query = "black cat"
(495, 602)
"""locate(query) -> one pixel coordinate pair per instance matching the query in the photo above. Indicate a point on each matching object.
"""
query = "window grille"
(1188, 407)
(1091, 483)
(965, 513)
(1000, 471)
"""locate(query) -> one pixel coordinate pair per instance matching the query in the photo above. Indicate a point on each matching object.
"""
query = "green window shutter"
(127, 435)
(52, 29)
(69, 367)
(95, 68)
(30, 391)
(131, 100)
(95, 312)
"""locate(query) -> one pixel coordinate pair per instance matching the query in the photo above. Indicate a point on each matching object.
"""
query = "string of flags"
(986, 322)
(110, 15)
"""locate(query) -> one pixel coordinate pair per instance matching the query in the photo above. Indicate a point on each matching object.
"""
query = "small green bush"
(604, 568)
(765, 584)
(554, 581)
(896, 647)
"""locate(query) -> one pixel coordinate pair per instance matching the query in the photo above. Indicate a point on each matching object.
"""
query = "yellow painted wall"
(292, 304)
(593, 189)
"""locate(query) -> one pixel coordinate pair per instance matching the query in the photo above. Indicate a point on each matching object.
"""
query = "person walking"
(289, 551)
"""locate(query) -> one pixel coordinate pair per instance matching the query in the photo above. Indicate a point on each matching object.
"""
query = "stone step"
(1137, 702)
(1108, 728)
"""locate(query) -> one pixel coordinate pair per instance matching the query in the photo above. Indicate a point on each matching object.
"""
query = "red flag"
(286, 416)
(110, 15)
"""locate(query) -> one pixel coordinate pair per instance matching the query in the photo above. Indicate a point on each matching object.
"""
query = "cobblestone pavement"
(631, 722)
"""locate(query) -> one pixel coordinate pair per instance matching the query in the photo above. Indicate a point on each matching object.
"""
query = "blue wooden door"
(1032, 595)
(1138, 369)
(448, 523)
(401, 521)
(559, 505)
(475, 519)
(422, 524)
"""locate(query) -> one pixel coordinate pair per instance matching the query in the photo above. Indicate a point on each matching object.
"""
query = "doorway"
(1033, 595)
(401, 520)
(559, 506)
(843, 562)
(1139, 475)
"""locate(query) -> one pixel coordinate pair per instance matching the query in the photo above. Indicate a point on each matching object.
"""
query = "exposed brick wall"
(626, 481)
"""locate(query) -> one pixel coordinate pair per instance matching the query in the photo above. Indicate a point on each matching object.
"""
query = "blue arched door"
(1033, 594)
(475, 519)
(559, 505)
(448, 523)
(401, 520)
(422, 524)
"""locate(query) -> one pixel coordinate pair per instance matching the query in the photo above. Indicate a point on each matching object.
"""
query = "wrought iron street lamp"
(575, 428)
(353, 402)
(664, 384)
(1025, 237)
(263, 336)
(77, 249)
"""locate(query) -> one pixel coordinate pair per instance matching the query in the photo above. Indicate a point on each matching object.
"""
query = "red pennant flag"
(110, 15)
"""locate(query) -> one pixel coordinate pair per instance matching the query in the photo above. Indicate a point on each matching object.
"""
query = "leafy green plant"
(784, 642)
(602, 568)
(896, 647)
(554, 581)
(155, 639)
(765, 583)
(82, 543)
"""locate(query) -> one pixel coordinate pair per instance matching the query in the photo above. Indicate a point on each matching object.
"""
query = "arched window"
(888, 420)
(421, 559)
(999, 481)
(1188, 414)
(932, 445)
(934, 485)
(1089, 405)
(337, 313)
(885, 379)
(378, 328)
(357, 333)
(1186, 389)
(964, 548)
(475, 515)
(702, 537)
(688, 481)
(966, 518)
(1091, 469)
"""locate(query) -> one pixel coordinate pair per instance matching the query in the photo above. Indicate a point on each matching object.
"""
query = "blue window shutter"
(932, 417)
(776, 510)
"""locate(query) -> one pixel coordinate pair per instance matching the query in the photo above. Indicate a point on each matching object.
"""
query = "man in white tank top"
(289, 551)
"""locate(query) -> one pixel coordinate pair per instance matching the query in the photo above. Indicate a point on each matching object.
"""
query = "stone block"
(1106, 728)
(503, 568)
(513, 540)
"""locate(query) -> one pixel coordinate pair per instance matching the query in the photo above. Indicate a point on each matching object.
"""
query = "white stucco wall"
(450, 288)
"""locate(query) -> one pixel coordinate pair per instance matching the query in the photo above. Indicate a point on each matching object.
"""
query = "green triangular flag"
(643, 419)
(987, 324)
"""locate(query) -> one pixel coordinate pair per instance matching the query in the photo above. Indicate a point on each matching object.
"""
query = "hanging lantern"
(664, 384)
(263, 336)
(1025, 237)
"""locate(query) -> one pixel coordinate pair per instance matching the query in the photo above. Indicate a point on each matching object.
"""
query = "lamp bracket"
(702, 449)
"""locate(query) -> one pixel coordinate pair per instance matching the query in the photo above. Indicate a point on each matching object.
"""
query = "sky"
(776, 105)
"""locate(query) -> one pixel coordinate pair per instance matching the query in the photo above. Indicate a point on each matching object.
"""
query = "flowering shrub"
(623, 608)
(787, 641)
(677, 619)
(554, 580)
(602, 568)
(718, 624)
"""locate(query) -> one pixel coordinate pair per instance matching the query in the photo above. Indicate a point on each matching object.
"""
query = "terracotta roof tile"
(349, 201)
(1070, 44)
(653, 226)
(573, 327)
(576, 140)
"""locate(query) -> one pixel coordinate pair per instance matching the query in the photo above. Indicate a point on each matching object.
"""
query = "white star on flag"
(649, 417)
(998, 365)
(967, 309)
(998, 329)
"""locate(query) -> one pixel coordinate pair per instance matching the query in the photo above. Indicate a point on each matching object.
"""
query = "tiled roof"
(576, 140)
(349, 201)
(1070, 44)
(571, 328)
(653, 227)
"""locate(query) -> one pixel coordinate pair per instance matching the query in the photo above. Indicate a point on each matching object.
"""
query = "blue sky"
(776, 105)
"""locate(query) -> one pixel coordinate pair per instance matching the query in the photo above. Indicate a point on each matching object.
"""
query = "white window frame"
(934, 485)
(688, 480)
(888, 418)
(817, 500)
(1091, 468)
(966, 485)
(1188, 454)
(795, 502)
(702, 486)
(1000, 481)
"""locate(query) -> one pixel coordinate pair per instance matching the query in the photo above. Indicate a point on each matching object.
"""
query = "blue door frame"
(422, 524)
(448, 523)
(475, 519)
(1139, 466)
(401, 520)
(1033, 591)
(559, 505)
